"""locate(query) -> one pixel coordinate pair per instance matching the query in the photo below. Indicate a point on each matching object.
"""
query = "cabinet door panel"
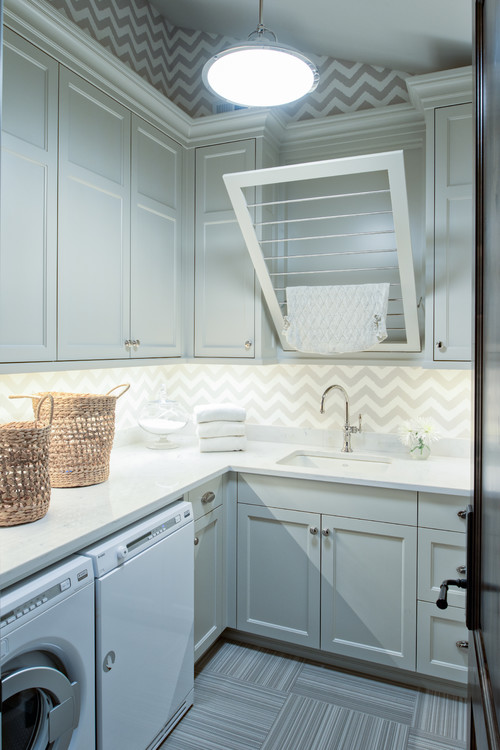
(94, 223)
(369, 591)
(208, 581)
(28, 242)
(441, 637)
(224, 276)
(278, 574)
(453, 232)
(155, 242)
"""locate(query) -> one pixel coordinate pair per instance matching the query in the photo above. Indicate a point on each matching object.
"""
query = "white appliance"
(47, 659)
(144, 629)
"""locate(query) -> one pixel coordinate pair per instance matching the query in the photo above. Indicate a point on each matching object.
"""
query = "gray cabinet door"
(224, 275)
(94, 223)
(28, 242)
(208, 580)
(368, 595)
(155, 242)
(453, 232)
(278, 591)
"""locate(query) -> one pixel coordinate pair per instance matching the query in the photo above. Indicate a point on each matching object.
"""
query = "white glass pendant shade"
(257, 74)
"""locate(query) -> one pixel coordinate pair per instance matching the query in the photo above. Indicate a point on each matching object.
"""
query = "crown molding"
(441, 89)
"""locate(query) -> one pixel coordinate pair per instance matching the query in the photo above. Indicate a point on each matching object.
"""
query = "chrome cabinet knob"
(462, 514)
(248, 344)
(462, 644)
(128, 344)
(313, 530)
(208, 497)
(440, 345)
(326, 532)
(196, 540)
(136, 344)
(462, 570)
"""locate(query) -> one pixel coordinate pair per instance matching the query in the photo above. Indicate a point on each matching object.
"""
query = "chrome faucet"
(348, 429)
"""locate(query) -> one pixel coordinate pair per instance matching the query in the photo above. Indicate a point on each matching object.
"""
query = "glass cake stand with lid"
(161, 418)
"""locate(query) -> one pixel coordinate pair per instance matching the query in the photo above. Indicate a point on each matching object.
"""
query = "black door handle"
(442, 600)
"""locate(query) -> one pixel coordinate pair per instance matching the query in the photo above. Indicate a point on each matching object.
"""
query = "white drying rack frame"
(391, 162)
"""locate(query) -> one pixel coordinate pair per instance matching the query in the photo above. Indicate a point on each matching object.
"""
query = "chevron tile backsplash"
(171, 59)
(281, 395)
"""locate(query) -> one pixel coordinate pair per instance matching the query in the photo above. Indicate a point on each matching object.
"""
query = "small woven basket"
(24, 468)
(83, 429)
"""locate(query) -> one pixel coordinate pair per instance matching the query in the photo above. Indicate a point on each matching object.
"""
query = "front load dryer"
(47, 659)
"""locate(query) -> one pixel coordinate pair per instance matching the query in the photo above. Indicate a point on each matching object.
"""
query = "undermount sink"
(316, 459)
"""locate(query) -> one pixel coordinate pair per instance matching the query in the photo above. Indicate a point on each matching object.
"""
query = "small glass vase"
(419, 450)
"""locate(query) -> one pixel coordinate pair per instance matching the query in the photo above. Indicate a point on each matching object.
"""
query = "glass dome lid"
(161, 418)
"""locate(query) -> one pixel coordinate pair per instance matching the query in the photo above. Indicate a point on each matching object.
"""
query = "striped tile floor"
(249, 698)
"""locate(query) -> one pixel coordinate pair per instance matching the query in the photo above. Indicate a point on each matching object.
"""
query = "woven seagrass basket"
(83, 429)
(24, 468)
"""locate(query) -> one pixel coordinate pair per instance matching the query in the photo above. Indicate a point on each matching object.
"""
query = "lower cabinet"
(209, 577)
(442, 648)
(343, 585)
(208, 580)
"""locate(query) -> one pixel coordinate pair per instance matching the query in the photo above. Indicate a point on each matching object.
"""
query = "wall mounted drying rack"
(341, 221)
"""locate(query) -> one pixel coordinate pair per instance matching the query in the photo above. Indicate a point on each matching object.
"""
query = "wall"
(171, 59)
(280, 395)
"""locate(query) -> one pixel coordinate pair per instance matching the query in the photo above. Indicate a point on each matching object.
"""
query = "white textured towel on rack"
(336, 319)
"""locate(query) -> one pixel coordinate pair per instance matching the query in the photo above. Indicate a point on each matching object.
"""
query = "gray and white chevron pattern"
(282, 395)
(171, 59)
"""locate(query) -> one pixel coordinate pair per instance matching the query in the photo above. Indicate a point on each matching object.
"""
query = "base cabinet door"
(368, 598)
(278, 591)
(208, 580)
(442, 646)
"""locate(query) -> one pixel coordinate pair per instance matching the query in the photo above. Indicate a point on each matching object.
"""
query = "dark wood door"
(484, 561)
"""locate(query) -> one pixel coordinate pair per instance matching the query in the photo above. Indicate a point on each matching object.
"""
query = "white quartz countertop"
(143, 481)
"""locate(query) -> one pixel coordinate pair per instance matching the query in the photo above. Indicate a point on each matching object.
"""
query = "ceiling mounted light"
(260, 72)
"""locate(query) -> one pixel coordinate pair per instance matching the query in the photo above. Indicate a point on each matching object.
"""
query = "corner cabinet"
(28, 242)
(224, 291)
(119, 238)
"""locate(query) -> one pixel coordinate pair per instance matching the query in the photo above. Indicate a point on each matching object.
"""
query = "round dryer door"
(40, 706)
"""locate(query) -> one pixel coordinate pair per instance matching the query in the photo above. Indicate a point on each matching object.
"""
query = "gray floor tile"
(227, 715)
(423, 741)
(258, 666)
(307, 724)
(440, 715)
(381, 699)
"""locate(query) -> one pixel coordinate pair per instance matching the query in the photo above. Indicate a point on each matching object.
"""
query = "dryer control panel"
(116, 549)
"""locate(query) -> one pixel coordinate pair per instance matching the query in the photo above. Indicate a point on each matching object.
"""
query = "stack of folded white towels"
(221, 427)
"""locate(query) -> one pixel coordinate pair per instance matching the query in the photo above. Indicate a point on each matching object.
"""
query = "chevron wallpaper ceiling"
(278, 395)
(171, 59)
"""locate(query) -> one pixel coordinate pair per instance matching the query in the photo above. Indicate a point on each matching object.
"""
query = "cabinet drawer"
(439, 633)
(440, 553)
(206, 497)
(348, 500)
(441, 511)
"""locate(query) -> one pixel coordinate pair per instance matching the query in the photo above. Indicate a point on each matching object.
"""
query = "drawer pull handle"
(462, 514)
(208, 497)
(462, 570)
(462, 644)
(196, 540)
(313, 530)
(326, 532)
(442, 600)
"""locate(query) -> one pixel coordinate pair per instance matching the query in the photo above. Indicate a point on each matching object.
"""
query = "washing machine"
(47, 659)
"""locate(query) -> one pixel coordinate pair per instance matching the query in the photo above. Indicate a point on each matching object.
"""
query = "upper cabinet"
(119, 245)
(28, 242)
(453, 232)
(94, 222)
(224, 295)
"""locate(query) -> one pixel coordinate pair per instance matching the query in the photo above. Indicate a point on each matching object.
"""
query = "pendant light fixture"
(260, 72)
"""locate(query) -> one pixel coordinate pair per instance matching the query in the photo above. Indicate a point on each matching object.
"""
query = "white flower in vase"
(418, 434)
